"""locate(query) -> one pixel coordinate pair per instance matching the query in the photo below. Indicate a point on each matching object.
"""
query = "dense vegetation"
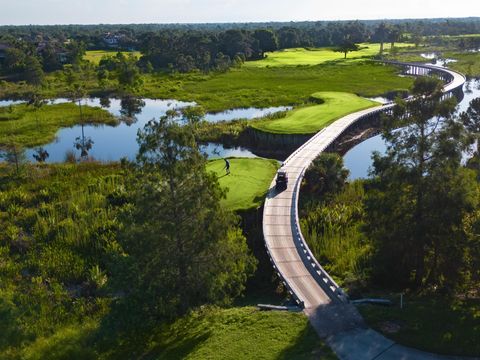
(74, 249)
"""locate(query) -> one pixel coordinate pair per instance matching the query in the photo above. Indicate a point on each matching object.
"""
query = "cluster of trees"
(122, 68)
(422, 200)
(29, 60)
(415, 222)
(205, 51)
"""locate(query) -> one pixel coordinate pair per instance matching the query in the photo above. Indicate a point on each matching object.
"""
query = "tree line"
(204, 48)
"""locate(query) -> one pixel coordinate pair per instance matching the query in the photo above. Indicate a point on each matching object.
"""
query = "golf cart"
(281, 181)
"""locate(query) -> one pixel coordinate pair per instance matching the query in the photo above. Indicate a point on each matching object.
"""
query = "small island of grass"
(28, 127)
(310, 119)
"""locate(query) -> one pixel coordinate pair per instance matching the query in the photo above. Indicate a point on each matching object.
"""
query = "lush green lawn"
(248, 181)
(431, 324)
(240, 333)
(310, 119)
(94, 56)
(21, 125)
(315, 56)
(236, 333)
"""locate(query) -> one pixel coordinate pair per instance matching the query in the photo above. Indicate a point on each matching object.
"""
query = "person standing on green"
(227, 167)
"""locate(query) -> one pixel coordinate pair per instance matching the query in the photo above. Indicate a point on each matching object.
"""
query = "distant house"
(112, 40)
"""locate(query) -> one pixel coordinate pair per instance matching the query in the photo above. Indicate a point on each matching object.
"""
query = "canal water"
(359, 159)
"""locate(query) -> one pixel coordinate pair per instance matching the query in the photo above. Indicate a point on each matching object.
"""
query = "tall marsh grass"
(333, 233)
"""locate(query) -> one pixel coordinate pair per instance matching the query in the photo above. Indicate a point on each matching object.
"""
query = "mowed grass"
(248, 181)
(432, 324)
(315, 56)
(20, 124)
(310, 119)
(94, 56)
(240, 333)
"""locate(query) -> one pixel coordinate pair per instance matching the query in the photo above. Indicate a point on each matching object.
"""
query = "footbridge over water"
(308, 283)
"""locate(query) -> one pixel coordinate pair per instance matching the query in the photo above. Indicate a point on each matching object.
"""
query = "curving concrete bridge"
(308, 283)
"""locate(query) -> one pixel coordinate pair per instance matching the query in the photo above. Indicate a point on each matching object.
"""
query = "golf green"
(248, 181)
(310, 119)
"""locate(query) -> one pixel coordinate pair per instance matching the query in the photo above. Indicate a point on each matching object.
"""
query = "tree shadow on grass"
(307, 346)
(178, 349)
(178, 340)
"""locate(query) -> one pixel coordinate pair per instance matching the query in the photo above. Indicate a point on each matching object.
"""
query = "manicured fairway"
(20, 124)
(310, 119)
(94, 56)
(248, 181)
(315, 56)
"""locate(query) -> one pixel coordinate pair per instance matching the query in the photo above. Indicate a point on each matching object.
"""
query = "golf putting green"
(248, 181)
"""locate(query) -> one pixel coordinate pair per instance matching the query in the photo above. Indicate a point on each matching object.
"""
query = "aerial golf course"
(318, 85)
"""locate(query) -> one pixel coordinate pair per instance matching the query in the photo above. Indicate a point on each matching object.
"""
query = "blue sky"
(19, 12)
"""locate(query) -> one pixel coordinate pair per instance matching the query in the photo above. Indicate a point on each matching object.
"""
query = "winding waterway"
(113, 143)
(359, 159)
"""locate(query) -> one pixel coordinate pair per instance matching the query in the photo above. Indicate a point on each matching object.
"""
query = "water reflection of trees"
(105, 102)
(84, 144)
(40, 154)
(130, 107)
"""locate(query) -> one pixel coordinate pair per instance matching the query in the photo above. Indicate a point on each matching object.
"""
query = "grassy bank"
(27, 127)
(315, 56)
(432, 324)
(248, 181)
(310, 119)
(211, 333)
(467, 63)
